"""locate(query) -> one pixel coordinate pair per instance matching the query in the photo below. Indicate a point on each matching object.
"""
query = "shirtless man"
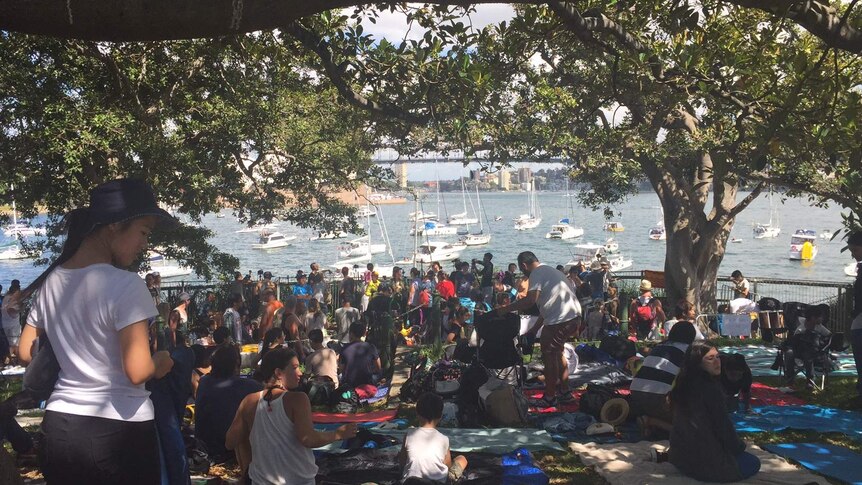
(292, 327)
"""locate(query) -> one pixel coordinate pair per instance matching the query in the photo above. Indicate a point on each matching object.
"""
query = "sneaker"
(657, 456)
(566, 398)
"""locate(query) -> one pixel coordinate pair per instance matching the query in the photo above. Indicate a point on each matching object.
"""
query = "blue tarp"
(828, 460)
(777, 418)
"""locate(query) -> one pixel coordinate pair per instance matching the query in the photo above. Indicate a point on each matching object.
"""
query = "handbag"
(42, 373)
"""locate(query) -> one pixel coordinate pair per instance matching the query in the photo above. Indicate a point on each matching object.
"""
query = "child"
(736, 382)
(425, 453)
(741, 286)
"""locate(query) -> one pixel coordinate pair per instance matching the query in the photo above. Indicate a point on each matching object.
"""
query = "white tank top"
(277, 456)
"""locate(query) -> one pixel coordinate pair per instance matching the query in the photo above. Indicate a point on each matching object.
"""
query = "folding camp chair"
(822, 360)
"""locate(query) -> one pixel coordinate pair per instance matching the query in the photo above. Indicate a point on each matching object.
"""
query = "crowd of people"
(248, 363)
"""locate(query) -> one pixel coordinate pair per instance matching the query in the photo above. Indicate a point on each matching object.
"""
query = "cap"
(184, 296)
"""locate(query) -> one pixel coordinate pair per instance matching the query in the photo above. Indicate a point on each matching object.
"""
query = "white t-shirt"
(743, 305)
(426, 451)
(82, 311)
(571, 357)
(557, 302)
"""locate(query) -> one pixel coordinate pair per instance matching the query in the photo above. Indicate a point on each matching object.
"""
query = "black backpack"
(595, 398)
(618, 347)
(469, 414)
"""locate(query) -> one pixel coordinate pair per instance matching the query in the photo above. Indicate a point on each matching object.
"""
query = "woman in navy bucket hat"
(98, 424)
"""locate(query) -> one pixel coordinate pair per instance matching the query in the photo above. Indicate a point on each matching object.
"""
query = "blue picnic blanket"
(566, 427)
(760, 359)
(828, 460)
(777, 418)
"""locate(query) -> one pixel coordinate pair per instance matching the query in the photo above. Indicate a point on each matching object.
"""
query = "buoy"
(807, 250)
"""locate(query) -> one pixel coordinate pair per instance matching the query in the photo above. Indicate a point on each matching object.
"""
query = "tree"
(234, 122)
(709, 97)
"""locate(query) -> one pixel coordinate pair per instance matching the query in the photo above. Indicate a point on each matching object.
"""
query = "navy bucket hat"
(122, 200)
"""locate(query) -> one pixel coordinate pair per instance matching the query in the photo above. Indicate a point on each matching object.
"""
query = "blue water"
(758, 258)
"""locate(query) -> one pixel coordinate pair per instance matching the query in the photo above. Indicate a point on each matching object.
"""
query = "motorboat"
(220, 216)
(167, 268)
(272, 240)
(657, 233)
(433, 228)
(437, 251)
(258, 228)
(611, 246)
(366, 212)
(476, 239)
(532, 219)
(13, 251)
(589, 252)
(498, 218)
(21, 229)
(736, 240)
(361, 246)
(803, 245)
(564, 230)
(826, 234)
(330, 235)
(614, 226)
(851, 269)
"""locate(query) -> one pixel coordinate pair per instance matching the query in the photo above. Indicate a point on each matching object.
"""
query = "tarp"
(629, 464)
(832, 461)
(823, 420)
(760, 358)
(496, 440)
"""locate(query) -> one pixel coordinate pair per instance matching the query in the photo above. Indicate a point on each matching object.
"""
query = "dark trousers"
(748, 464)
(856, 342)
(12, 431)
(173, 448)
(87, 450)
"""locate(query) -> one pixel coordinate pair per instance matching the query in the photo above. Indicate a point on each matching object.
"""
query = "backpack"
(594, 399)
(344, 400)
(506, 406)
(320, 391)
(472, 378)
(644, 313)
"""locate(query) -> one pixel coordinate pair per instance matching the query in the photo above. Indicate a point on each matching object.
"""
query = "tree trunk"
(692, 258)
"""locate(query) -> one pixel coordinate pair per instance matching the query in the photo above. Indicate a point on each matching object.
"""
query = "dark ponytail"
(683, 390)
(76, 225)
(277, 359)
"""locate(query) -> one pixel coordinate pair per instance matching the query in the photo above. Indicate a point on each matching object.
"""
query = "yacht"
(366, 212)
(826, 234)
(563, 230)
(589, 252)
(432, 228)
(803, 245)
(614, 226)
(437, 251)
(611, 246)
(851, 269)
(772, 228)
(259, 228)
(534, 217)
(272, 240)
(167, 268)
(12, 251)
(657, 233)
(361, 246)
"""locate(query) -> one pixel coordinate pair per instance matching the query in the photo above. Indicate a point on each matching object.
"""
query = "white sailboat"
(477, 238)
(563, 229)
(20, 229)
(167, 268)
(773, 227)
(363, 250)
(534, 217)
(12, 251)
(657, 232)
(461, 218)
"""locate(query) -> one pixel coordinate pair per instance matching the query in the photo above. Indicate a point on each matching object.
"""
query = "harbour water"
(760, 258)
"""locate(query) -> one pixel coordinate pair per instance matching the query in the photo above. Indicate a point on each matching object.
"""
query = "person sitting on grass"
(360, 360)
(703, 442)
(736, 382)
(425, 453)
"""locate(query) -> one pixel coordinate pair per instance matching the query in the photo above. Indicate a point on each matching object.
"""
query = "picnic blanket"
(373, 416)
(567, 427)
(586, 373)
(629, 464)
(777, 418)
(381, 467)
(763, 395)
(760, 359)
(463, 440)
(381, 394)
(831, 461)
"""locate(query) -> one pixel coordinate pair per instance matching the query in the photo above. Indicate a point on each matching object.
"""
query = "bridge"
(390, 155)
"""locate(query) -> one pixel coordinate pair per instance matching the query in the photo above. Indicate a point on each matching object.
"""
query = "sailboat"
(657, 232)
(534, 217)
(564, 229)
(461, 219)
(773, 227)
(16, 230)
(362, 249)
(20, 229)
(477, 238)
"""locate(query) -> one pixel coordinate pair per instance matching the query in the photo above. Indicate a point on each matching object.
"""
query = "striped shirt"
(660, 368)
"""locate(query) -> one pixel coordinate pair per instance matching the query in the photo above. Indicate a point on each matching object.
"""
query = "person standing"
(232, 319)
(741, 286)
(854, 244)
(486, 283)
(347, 289)
(344, 318)
(559, 315)
(645, 312)
(445, 287)
(237, 286)
(178, 321)
(95, 313)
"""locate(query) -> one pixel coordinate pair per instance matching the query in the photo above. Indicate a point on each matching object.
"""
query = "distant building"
(504, 179)
(476, 175)
(402, 175)
(525, 175)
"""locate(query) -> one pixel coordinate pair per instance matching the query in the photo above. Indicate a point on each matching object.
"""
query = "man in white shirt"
(559, 314)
